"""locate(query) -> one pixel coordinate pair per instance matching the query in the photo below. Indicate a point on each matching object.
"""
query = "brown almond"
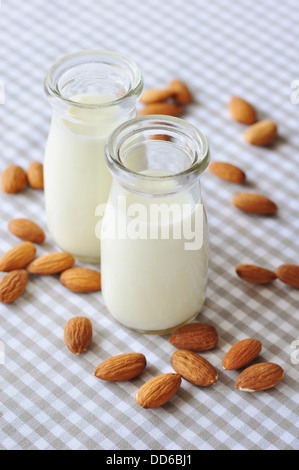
(35, 175)
(241, 110)
(155, 95)
(195, 337)
(261, 133)
(255, 274)
(81, 280)
(12, 285)
(254, 203)
(78, 334)
(289, 274)
(259, 377)
(53, 263)
(194, 368)
(13, 179)
(18, 257)
(121, 368)
(169, 109)
(27, 230)
(181, 92)
(158, 391)
(228, 172)
(241, 354)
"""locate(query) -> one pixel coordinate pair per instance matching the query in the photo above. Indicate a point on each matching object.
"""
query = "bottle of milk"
(92, 92)
(154, 229)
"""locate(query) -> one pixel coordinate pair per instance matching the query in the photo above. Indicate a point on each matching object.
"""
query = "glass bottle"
(91, 93)
(154, 229)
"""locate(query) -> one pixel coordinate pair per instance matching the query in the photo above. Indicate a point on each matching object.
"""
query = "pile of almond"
(14, 178)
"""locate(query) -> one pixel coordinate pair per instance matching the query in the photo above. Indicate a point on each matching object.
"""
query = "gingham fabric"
(49, 398)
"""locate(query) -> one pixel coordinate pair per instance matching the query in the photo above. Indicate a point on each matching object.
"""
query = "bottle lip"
(164, 124)
(62, 65)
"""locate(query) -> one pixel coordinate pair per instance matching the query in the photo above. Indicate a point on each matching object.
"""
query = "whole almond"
(259, 377)
(254, 203)
(228, 172)
(255, 274)
(35, 175)
(78, 334)
(241, 354)
(261, 133)
(195, 337)
(158, 391)
(27, 230)
(241, 110)
(53, 263)
(13, 179)
(121, 368)
(81, 280)
(181, 92)
(289, 274)
(194, 368)
(12, 285)
(18, 257)
(169, 109)
(155, 95)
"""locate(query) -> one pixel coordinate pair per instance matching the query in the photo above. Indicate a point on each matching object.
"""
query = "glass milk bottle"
(154, 230)
(91, 92)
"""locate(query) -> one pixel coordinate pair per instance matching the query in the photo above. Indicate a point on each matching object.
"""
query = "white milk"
(76, 177)
(153, 285)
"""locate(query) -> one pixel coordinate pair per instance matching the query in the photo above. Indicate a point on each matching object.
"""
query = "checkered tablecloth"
(49, 398)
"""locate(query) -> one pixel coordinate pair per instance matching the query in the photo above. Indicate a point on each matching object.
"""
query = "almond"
(228, 172)
(158, 391)
(121, 368)
(261, 133)
(289, 274)
(195, 337)
(241, 354)
(18, 257)
(81, 280)
(255, 274)
(194, 368)
(35, 175)
(13, 179)
(181, 92)
(155, 95)
(241, 110)
(259, 377)
(254, 203)
(53, 263)
(169, 109)
(78, 334)
(27, 230)
(12, 285)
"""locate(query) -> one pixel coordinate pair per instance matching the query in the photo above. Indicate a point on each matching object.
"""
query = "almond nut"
(13, 179)
(194, 368)
(241, 354)
(181, 92)
(155, 95)
(35, 175)
(261, 133)
(241, 110)
(169, 109)
(18, 257)
(195, 337)
(27, 230)
(53, 263)
(121, 368)
(254, 203)
(255, 274)
(228, 172)
(81, 280)
(289, 274)
(259, 377)
(78, 334)
(158, 391)
(12, 285)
